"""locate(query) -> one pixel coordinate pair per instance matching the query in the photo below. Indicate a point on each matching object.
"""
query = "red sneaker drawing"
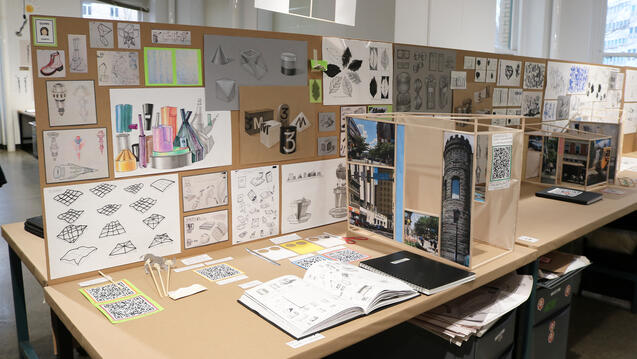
(55, 64)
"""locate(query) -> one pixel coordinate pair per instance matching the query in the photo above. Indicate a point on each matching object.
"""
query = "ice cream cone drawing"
(79, 144)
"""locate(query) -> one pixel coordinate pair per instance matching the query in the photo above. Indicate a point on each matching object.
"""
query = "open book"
(329, 294)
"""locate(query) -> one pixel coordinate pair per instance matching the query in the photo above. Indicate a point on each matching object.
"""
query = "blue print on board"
(578, 78)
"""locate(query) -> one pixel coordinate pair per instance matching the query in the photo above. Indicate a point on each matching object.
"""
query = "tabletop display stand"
(448, 185)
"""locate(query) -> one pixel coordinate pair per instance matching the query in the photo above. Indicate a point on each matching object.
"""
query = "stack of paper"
(556, 267)
(475, 312)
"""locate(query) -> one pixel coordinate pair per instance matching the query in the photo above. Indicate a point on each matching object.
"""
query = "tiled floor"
(597, 330)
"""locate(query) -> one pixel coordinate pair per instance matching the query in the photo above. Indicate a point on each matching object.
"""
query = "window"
(506, 25)
(619, 43)
(455, 188)
(98, 10)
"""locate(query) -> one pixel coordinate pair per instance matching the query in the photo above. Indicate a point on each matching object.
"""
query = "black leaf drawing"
(332, 70)
(373, 87)
(347, 55)
(355, 65)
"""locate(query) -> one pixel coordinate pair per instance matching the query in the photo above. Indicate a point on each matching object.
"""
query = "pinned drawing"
(562, 111)
(577, 79)
(122, 248)
(327, 145)
(101, 34)
(557, 75)
(304, 208)
(71, 103)
(128, 36)
(160, 239)
(170, 37)
(531, 103)
(534, 75)
(255, 203)
(204, 229)
(77, 255)
(357, 72)
(78, 61)
(51, 63)
(70, 216)
(316, 91)
(205, 191)
(550, 111)
(509, 73)
(153, 220)
(327, 121)
(103, 222)
(515, 97)
(117, 68)
(70, 171)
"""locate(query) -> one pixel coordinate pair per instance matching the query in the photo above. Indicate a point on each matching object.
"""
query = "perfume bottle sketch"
(300, 211)
(53, 146)
(340, 193)
(58, 92)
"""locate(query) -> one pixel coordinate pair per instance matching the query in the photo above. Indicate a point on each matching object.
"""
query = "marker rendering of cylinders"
(169, 118)
(143, 160)
(162, 137)
(148, 116)
(288, 64)
(123, 117)
(125, 160)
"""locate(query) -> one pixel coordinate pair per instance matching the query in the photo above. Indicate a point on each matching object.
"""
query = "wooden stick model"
(161, 280)
(147, 263)
(169, 263)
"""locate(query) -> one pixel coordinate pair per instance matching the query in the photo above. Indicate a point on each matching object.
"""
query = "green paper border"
(55, 33)
(129, 284)
(173, 51)
(159, 309)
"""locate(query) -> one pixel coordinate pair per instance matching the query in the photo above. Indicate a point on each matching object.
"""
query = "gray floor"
(597, 330)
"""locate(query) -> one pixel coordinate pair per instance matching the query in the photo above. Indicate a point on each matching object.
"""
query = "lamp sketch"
(59, 95)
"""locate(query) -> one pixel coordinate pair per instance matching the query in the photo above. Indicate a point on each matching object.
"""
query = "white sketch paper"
(458, 80)
(509, 73)
(97, 241)
(534, 75)
(78, 61)
(206, 190)
(51, 63)
(115, 68)
(348, 110)
(187, 66)
(469, 63)
(358, 72)
(213, 128)
(71, 102)
(550, 110)
(500, 96)
(128, 35)
(255, 203)
(313, 194)
(629, 121)
(532, 103)
(74, 155)
(170, 37)
(556, 80)
(515, 97)
(101, 34)
(206, 228)
(159, 63)
(630, 93)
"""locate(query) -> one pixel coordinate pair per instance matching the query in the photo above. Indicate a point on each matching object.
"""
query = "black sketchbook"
(569, 195)
(34, 226)
(423, 274)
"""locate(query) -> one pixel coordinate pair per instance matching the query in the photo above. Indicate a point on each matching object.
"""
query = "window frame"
(613, 54)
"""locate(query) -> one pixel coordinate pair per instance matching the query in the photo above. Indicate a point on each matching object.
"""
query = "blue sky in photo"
(368, 130)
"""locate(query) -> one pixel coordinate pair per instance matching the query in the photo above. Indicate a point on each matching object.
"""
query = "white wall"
(411, 22)
(577, 30)
(535, 28)
(462, 24)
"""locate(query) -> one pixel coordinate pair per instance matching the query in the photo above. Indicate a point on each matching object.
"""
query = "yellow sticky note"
(301, 246)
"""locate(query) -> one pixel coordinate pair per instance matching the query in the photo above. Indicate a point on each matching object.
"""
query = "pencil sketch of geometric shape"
(112, 229)
(134, 188)
(258, 180)
(68, 197)
(225, 89)
(154, 220)
(160, 239)
(143, 204)
(123, 248)
(384, 59)
(253, 63)
(70, 216)
(71, 233)
(69, 171)
(109, 209)
(102, 189)
(220, 58)
(76, 255)
(161, 184)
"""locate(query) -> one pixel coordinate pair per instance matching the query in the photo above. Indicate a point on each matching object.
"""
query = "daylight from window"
(97, 10)
(620, 36)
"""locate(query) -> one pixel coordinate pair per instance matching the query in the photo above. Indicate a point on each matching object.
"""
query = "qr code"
(129, 308)
(109, 292)
(501, 163)
(307, 262)
(217, 272)
(346, 255)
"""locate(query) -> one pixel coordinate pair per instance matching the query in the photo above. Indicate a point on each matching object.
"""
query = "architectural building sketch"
(531, 103)
(117, 68)
(81, 224)
(71, 102)
(207, 137)
(51, 63)
(78, 61)
(534, 75)
(423, 78)
(232, 61)
(206, 190)
(206, 228)
(71, 155)
(128, 36)
(170, 37)
(347, 110)
(313, 194)
(255, 203)
(509, 73)
(357, 72)
(101, 34)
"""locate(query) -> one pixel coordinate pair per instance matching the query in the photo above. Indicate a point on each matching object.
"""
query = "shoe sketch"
(55, 64)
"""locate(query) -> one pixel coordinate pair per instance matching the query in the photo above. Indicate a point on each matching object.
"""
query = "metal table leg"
(19, 306)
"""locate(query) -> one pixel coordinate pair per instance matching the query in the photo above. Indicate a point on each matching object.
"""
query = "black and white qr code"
(306, 262)
(346, 255)
(129, 308)
(217, 272)
(501, 163)
(109, 292)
